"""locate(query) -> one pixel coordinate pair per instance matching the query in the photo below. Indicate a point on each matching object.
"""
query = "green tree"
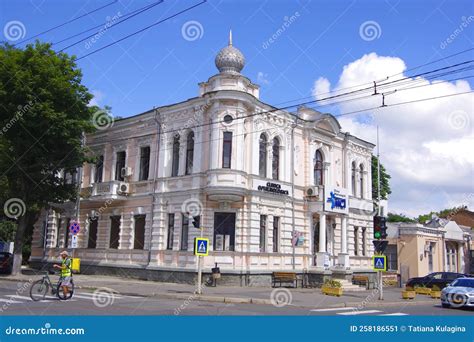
(391, 217)
(7, 230)
(44, 113)
(384, 180)
(445, 213)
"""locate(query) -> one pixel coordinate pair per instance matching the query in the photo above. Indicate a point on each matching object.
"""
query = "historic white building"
(274, 190)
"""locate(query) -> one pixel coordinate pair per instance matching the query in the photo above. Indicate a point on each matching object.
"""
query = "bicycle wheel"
(60, 292)
(38, 290)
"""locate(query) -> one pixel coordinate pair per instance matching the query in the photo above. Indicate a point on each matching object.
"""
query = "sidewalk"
(311, 298)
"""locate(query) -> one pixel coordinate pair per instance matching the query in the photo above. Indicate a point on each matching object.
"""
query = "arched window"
(262, 154)
(318, 168)
(353, 179)
(175, 161)
(276, 158)
(361, 180)
(189, 152)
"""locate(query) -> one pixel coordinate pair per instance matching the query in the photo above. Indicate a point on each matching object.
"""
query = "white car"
(458, 294)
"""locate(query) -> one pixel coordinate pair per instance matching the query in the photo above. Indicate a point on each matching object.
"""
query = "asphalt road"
(15, 300)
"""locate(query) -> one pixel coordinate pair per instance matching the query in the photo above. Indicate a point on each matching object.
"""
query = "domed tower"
(229, 61)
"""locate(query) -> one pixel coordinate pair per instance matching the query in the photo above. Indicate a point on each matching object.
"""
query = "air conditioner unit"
(312, 191)
(123, 188)
(126, 171)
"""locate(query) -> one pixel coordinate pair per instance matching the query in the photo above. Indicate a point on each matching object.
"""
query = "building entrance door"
(430, 258)
(224, 231)
(315, 241)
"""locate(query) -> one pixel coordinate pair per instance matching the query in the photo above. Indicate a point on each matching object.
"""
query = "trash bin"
(76, 265)
(216, 272)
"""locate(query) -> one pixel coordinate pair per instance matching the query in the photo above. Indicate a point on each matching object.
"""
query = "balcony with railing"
(112, 190)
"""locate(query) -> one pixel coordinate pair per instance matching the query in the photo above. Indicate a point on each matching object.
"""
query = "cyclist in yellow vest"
(66, 273)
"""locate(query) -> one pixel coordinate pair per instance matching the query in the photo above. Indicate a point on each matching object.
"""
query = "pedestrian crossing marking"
(332, 309)
(9, 301)
(352, 313)
(395, 314)
(24, 298)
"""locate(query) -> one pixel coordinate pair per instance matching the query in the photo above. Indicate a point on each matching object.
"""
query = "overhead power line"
(386, 78)
(311, 102)
(141, 30)
(123, 19)
(65, 23)
(263, 130)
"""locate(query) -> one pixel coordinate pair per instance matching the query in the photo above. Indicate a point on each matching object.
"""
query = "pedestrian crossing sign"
(380, 262)
(201, 246)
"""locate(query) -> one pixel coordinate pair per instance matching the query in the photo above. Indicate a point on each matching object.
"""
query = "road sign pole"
(199, 287)
(379, 273)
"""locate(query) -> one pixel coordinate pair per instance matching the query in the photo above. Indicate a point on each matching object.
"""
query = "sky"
(296, 51)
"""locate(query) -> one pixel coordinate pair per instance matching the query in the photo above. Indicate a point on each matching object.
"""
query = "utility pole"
(292, 171)
(78, 198)
(379, 273)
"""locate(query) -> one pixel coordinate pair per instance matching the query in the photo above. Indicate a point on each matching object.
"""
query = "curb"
(242, 300)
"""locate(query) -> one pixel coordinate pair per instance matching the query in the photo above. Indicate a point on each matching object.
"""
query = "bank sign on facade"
(336, 200)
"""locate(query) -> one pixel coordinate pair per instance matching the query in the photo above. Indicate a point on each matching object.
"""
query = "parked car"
(440, 279)
(458, 294)
(6, 262)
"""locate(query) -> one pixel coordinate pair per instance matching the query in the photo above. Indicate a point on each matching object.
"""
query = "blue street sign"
(201, 246)
(74, 227)
(380, 262)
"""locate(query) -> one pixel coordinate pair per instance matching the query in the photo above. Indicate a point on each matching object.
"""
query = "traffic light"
(194, 220)
(380, 227)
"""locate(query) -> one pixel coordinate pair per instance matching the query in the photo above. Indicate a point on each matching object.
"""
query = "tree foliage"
(43, 114)
(384, 180)
(391, 217)
(7, 230)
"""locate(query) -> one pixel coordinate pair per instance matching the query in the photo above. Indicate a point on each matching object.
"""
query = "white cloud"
(321, 87)
(426, 146)
(262, 78)
(98, 96)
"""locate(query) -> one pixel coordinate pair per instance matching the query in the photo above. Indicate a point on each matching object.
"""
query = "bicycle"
(40, 288)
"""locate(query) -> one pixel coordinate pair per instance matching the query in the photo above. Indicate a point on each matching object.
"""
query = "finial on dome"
(230, 60)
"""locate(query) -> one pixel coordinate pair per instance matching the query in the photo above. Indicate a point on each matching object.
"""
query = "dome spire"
(230, 60)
